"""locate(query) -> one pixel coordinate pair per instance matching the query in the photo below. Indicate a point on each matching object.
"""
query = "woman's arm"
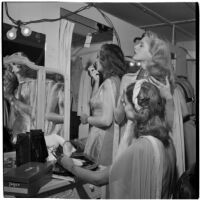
(56, 118)
(51, 115)
(97, 178)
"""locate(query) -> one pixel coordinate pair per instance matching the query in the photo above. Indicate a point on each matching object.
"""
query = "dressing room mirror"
(21, 59)
(88, 36)
(20, 84)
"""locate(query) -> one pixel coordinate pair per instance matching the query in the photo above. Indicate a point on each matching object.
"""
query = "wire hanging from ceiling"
(107, 19)
(21, 24)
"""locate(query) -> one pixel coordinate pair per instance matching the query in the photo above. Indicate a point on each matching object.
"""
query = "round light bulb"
(26, 31)
(131, 64)
(12, 34)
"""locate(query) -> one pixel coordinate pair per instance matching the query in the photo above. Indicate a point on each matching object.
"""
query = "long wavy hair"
(25, 71)
(161, 57)
(112, 60)
(150, 119)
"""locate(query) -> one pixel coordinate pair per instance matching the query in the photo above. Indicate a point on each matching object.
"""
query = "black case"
(31, 147)
(27, 179)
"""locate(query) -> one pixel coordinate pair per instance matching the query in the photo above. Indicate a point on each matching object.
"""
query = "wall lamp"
(12, 33)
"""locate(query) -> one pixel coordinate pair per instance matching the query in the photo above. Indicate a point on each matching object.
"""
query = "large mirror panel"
(21, 61)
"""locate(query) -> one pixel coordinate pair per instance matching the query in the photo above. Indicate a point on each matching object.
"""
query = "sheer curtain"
(64, 61)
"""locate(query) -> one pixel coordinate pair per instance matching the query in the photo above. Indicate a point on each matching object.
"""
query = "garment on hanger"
(84, 95)
(178, 132)
(76, 71)
(85, 91)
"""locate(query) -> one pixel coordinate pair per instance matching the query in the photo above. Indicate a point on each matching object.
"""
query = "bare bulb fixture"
(131, 64)
(12, 33)
(26, 31)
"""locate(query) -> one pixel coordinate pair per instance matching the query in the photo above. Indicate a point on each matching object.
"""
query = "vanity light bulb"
(26, 31)
(12, 34)
(131, 64)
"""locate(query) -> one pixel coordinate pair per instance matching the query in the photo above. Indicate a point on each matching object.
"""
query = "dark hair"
(160, 73)
(187, 185)
(112, 60)
(150, 119)
(15, 82)
(25, 71)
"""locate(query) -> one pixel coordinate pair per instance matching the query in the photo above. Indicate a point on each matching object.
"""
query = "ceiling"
(158, 17)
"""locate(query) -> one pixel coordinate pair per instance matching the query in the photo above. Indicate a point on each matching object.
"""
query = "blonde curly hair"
(161, 56)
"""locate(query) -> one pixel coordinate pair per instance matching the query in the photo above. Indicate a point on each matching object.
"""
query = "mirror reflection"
(19, 94)
(54, 113)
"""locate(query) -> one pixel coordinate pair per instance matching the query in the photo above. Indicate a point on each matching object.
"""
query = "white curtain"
(191, 73)
(64, 60)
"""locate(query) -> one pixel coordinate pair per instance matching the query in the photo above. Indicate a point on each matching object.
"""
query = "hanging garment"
(190, 143)
(145, 170)
(76, 71)
(178, 133)
(99, 143)
(84, 95)
(188, 92)
(85, 91)
(65, 38)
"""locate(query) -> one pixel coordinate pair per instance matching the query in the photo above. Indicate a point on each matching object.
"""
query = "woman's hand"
(122, 98)
(95, 75)
(165, 91)
(84, 118)
(66, 162)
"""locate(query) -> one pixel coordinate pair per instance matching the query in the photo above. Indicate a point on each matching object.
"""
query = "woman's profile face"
(98, 64)
(142, 52)
(129, 110)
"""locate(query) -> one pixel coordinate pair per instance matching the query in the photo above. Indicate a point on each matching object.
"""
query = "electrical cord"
(89, 5)
(19, 22)
(107, 19)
